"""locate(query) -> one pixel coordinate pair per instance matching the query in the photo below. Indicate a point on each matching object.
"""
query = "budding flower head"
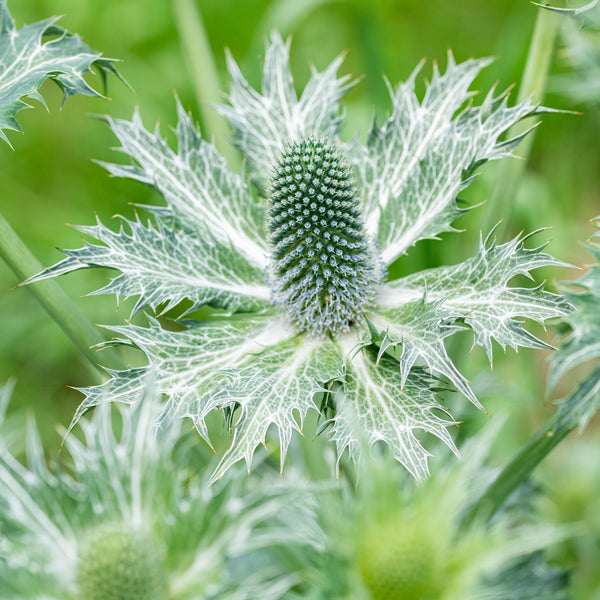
(324, 273)
(118, 563)
(398, 558)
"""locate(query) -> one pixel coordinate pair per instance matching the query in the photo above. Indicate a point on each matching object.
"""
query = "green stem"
(54, 300)
(518, 469)
(575, 411)
(284, 16)
(204, 75)
(533, 85)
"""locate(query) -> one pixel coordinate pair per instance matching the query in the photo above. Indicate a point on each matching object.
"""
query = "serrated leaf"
(414, 165)
(26, 61)
(162, 266)
(478, 292)
(199, 188)
(263, 123)
(186, 365)
(583, 343)
(375, 404)
(275, 388)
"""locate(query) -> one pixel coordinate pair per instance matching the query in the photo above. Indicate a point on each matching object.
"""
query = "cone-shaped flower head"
(119, 563)
(324, 274)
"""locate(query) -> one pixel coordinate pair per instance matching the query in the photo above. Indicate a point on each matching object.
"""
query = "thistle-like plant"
(295, 249)
(127, 514)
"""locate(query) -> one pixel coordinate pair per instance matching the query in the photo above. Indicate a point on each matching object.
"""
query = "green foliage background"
(50, 180)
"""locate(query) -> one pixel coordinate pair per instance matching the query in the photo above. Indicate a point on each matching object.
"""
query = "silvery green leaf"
(375, 403)
(186, 365)
(414, 165)
(162, 266)
(196, 183)
(258, 365)
(478, 292)
(583, 341)
(264, 122)
(148, 480)
(26, 61)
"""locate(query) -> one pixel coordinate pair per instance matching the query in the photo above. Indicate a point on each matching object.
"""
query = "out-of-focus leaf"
(26, 61)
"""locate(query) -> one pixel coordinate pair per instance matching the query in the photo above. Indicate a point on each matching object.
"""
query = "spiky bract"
(323, 273)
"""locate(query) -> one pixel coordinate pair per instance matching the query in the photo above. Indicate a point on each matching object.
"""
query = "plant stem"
(517, 470)
(575, 411)
(533, 84)
(204, 75)
(53, 299)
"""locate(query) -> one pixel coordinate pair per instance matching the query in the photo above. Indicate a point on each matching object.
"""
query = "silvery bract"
(316, 324)
(131, 515)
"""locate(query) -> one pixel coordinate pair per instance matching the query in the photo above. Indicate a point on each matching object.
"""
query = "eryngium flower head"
(117, 562)
(396, 539)
(323, 270)
(131, 516)
(369, 353)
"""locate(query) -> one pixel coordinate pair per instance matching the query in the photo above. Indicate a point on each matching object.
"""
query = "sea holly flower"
(131, 516)
(295, 250)
(388, 538)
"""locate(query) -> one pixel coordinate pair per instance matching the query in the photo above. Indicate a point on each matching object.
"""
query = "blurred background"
(51, 180)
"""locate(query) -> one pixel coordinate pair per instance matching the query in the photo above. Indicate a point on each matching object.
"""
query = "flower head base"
(117, 563)
(323, 273)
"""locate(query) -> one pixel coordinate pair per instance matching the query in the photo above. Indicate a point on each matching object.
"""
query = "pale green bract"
(209, 539)
(582, 344)
(26, 61)
(208, 244)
